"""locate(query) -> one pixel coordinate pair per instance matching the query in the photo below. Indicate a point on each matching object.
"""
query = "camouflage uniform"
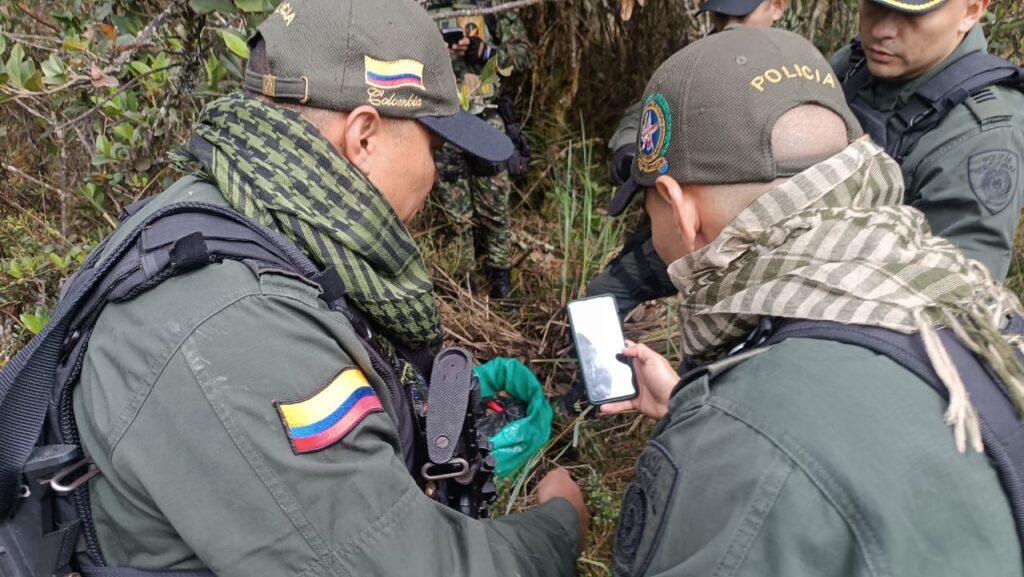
(476, 198)
(476, 207)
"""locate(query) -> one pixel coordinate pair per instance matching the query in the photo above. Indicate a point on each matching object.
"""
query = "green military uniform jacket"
(965, 174)
(813, 459)
(176, 407)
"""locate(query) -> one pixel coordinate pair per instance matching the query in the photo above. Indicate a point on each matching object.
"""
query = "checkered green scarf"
(835, 243)
(274, 167)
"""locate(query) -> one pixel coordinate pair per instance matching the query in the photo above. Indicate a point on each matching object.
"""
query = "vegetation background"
(94, 93)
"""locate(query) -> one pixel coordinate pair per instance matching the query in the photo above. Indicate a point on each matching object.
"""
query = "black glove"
(478, 52)
(622, 163)
(519, 162)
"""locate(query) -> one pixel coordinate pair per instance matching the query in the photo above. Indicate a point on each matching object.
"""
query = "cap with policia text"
(737, 8)
(340, 54)
(911, 6)
(710, 108)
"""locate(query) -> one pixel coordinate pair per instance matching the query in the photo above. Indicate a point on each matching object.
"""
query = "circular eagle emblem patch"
(993, 177)
(655, 134)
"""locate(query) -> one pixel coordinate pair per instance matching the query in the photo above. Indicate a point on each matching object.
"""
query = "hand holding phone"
(452, 35)
(598, 336)
(656, 378)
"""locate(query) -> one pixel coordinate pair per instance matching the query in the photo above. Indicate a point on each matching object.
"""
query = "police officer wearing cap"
(804, 456)
(637, 275)
(240, 425)
(962, 160)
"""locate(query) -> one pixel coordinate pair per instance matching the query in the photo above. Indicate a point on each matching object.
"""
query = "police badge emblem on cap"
(655, 135)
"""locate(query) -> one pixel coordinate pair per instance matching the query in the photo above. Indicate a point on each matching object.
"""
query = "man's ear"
(684, 210)
(974, 12)
(778, 8)
(359, 134)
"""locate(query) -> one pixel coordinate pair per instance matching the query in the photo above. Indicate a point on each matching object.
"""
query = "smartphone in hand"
(594, 323)
(452, 35)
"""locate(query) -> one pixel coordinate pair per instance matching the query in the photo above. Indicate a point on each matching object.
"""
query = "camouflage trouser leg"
(476, 206)
(490, 212)
(452, 191)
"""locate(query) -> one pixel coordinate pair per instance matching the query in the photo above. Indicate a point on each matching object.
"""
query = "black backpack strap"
(26, 384)
(857, 75)
(947, 90)
(874, 122)
(173, 240)
(181, 238)
(1002, 430)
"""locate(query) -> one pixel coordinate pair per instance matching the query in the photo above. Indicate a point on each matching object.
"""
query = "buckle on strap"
(757, 337)
(64, 482)
(458, 469)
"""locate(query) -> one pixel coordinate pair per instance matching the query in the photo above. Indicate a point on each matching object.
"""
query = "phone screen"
(598, 337)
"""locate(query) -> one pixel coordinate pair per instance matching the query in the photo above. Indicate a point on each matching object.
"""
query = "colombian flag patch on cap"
(393, 73)
(326, 417)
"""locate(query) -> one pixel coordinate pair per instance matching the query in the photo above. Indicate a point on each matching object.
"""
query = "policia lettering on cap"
(637, 274)
(922, 83)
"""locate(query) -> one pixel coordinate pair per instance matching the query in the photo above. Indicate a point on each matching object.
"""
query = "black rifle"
(461, 467)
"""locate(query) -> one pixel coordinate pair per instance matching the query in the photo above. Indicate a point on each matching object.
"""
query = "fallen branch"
(21, 6)
(515, 5)
(30, 178)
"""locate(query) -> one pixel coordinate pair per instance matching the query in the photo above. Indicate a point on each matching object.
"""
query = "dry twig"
(517, 4)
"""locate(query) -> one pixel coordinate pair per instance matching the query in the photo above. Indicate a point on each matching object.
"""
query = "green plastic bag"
(517, 441)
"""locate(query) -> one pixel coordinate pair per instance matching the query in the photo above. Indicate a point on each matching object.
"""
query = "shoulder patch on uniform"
(644, 509)
(993, 177)
(319, 421)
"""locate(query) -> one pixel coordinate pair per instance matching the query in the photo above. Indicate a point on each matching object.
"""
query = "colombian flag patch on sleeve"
(325, 418)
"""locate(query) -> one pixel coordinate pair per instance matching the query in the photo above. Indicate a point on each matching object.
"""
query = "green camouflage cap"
(389, 54)
(710, 108)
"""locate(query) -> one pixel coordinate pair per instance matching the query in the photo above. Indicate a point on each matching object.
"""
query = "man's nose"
(885, 26)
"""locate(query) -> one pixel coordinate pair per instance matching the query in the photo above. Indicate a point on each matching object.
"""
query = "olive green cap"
(710, 108)
(389, 54)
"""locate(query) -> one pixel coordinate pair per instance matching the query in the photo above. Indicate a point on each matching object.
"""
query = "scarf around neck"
(274, 167)
(835, 243)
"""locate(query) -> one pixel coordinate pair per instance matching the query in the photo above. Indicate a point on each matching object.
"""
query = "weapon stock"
(461, 467)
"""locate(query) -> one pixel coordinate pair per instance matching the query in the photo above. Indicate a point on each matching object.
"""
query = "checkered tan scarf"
(273, 166)
(835, 243)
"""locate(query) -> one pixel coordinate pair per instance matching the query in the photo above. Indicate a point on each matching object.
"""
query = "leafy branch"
(17, 87)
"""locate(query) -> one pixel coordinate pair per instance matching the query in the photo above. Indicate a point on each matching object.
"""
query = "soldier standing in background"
(475, 194)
